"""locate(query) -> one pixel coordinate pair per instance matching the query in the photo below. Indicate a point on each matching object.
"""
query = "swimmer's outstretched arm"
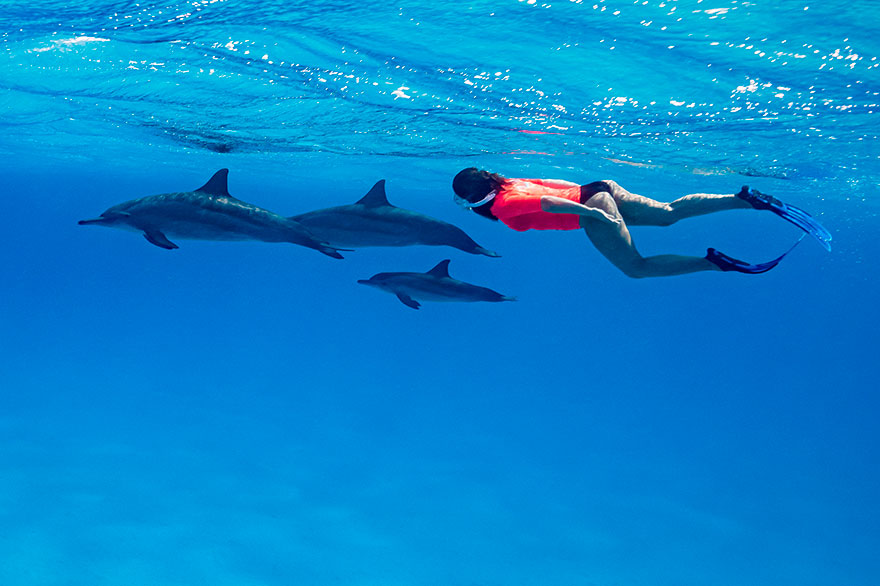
(560, 205)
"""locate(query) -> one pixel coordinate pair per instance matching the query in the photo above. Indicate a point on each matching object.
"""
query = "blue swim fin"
(795, 215)
(728, 263)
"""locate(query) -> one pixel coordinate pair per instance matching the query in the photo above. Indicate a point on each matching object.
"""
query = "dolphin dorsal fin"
(441, 270)
(376, 196)
(216, 185)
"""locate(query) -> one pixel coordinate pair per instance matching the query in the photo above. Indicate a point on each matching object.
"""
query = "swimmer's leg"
(615, 243)
(638, 210)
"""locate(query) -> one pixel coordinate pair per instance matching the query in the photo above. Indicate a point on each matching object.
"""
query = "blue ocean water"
(246, 414)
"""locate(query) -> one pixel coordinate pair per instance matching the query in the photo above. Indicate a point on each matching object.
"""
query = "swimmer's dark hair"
(474, 184)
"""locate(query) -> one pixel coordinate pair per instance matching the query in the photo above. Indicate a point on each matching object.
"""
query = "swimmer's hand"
(560, 205)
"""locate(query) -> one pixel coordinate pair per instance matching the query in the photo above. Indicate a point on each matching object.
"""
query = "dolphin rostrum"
(208, 213)
(372, 221)
(435, 285)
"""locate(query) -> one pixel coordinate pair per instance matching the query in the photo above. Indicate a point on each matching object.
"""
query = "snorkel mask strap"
(468, 205)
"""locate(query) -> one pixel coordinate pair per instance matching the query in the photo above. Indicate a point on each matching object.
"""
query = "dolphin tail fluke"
(458, 239)
(486, 252)
(331, 251)
(300, 235)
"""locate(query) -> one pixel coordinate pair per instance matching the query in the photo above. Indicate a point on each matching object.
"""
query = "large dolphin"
(208, 213)
(372, 221)
(435, 285)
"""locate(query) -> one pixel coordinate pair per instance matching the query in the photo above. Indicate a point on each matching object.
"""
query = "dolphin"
(372, 221)
(435, 285)
(208, 213)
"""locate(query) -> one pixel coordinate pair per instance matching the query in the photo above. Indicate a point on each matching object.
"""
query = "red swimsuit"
(518, 204)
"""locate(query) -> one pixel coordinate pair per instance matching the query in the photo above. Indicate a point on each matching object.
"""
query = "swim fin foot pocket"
(728, 263)
(795, 215)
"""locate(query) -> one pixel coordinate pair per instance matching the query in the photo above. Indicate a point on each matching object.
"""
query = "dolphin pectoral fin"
(408, 301)
(156, 237)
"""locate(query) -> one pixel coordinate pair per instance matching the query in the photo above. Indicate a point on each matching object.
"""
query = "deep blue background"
(245, 413)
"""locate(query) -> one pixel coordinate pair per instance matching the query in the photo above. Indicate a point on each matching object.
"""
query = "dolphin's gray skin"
(372, 221)
(208, 213)
(435, 285)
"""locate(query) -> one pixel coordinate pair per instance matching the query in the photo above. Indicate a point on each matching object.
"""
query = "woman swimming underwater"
(604, 210)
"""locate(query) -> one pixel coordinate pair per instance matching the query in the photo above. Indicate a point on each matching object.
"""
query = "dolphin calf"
(435, 285)
(208, 213)
(372, 221)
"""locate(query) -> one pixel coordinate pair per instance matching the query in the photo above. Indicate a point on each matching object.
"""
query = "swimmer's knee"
(666, 215)
(604, 201)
